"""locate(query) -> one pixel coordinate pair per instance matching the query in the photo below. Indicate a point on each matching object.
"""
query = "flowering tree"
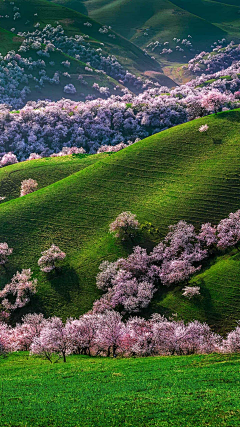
(8, 159)
(191, 291)
(203, 128)
(5, 251)
(53, 339)
(232, 343)
(124, 226)
(28, 186)
(20, 289)
(228, 230)
(49, 258)
(109, 336)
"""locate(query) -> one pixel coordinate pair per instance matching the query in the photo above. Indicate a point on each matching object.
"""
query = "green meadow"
(188, 391)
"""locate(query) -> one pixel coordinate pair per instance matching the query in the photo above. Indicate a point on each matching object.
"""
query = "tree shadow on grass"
(64, 281)
(213, 318)
(231, 116)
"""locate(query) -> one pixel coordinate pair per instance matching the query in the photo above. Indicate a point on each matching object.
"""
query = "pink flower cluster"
(20, 289)
(49, 258)
(28, 186)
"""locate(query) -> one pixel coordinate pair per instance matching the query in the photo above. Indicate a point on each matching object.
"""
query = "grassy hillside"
(46, 12)
(144, 21)
(177, 174)
(189, 391)
(46, 171)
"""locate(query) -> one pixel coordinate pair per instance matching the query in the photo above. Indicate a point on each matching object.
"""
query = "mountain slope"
(145, 21)
(44, 12)
(177, 174)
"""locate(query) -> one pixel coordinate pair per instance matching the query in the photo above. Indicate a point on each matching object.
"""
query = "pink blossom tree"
(124, 226)
(110, 334)
(5, 251)
(8, 159)
(49, 258)
(53, 340)
(28, 186)
(18, 292)
(228, 230)
(191, 291)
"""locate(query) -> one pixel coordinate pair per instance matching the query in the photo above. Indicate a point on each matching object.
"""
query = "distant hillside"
(44, 12)
(177, 174)
(144, 21)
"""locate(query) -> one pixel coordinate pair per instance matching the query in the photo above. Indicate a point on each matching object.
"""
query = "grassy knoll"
(220, 295)
(8, 41)
(189, 391)
(177, 174)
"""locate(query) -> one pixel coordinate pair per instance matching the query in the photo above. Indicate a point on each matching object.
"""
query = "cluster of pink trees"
(129, 284)
(108, 335)
(46, 127)
(17, 293)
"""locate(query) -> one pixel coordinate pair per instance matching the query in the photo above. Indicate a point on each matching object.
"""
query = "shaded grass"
(153, 392)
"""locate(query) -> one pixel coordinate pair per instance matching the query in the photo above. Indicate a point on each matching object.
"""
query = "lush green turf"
(204, 20)
(189, 391)
(177, 174)
(8, 41)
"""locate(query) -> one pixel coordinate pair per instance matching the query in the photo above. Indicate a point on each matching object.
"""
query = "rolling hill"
(177, 174)
(143, 22)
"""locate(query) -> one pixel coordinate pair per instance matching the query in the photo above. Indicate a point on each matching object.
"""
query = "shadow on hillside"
(232, 116)
(65, 281)
(213, 318)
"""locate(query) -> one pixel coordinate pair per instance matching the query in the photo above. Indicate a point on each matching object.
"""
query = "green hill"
(177, 174)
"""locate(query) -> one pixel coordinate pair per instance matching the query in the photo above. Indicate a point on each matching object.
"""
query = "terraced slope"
(177, 174)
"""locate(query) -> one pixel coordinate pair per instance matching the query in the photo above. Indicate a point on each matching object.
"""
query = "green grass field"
(177, 174)
(187, 391)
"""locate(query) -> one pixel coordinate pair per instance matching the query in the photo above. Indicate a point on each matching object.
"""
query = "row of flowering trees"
(108, 335)
(130, 283)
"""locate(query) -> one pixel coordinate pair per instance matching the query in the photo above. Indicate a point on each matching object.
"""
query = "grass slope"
(8, 41)
(46, 171)
(177, 174)
(189, 391)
